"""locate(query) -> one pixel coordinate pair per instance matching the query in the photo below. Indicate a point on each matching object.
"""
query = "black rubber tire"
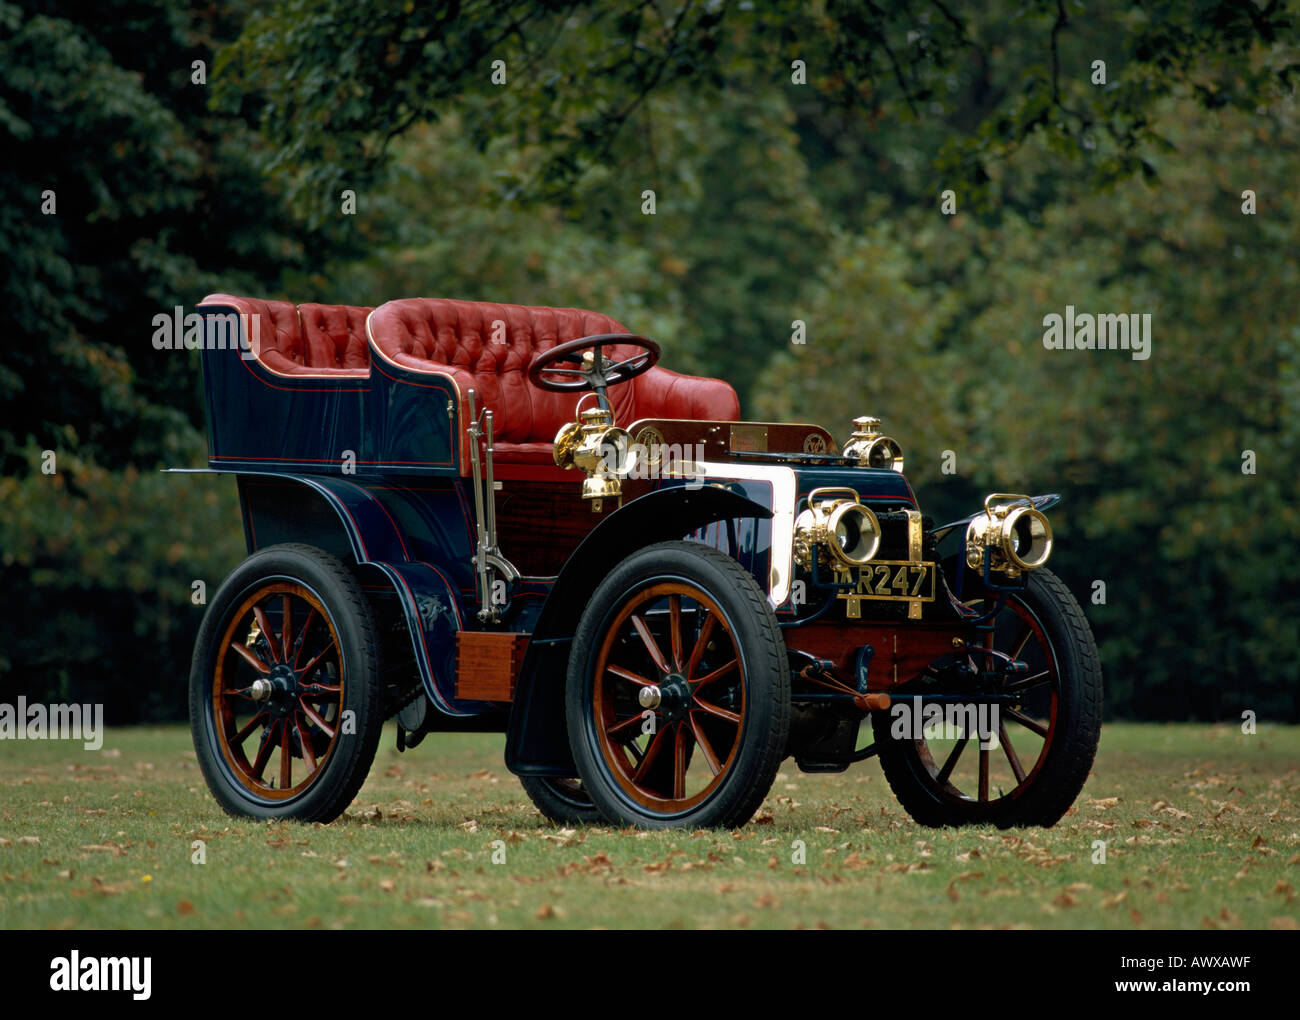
(766, 683)
(564, 802)
(1068, 757)
(345, 770)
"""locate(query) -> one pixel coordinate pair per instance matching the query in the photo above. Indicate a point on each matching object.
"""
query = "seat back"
(334, 337)
(489, 347)
(310, 339)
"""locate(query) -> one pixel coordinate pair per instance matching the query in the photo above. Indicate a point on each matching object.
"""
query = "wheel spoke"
(264, 626)
(951, 763)
(286, 760)
(253, 723)
(308, 752)
(315, 690)
(264, 749)
(1025, 721)
(627, 674)
(302, 635)
(701, 643)
(651, 753)
(675, 628)
(715, 710)
(306, 670)
(1022, 639)
(250, 656)
(679, 762)
(985, 754)
(709, 756)
(315, 717)
(286, 627)
(718, 673)
(1029, 682)
(1012, 757)
(651, 646)
(627, 727)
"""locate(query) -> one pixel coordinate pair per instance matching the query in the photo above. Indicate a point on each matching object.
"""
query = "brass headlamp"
(1016, 536)
(844, 527)
(871, 449)
(601, 449)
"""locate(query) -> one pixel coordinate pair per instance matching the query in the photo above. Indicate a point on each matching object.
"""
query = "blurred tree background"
(797, 154)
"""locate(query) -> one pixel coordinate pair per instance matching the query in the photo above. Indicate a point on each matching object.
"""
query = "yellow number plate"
(892, 581)
(897, 580)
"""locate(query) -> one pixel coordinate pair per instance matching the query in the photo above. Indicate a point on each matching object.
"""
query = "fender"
(537, 741)
(369, 537)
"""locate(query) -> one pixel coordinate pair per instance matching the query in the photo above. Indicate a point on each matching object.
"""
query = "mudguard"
(369, 536)
(537, 741)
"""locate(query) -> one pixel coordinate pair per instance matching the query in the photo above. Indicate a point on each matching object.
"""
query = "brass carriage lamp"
(839, 524)
(872, 449)
(1015, 535)
(601, 449)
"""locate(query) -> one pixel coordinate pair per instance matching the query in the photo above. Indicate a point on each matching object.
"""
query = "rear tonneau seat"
(305, 340)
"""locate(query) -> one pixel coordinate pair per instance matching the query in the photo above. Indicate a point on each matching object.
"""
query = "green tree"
(944, 317)
(121, 195)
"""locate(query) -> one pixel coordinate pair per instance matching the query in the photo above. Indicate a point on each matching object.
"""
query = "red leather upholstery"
(334, 337)
(488, 347)
(312, 340)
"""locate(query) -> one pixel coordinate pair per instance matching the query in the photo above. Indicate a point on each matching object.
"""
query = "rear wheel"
(285, 700)
(1045, 741)
(678, 694)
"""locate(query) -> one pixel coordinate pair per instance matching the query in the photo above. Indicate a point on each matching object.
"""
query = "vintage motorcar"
(468, 515)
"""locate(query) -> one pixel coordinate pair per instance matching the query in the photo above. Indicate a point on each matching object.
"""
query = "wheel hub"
(673, 697)
(278, 688)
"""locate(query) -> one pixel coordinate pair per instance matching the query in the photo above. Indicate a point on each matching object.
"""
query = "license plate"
(893, 581)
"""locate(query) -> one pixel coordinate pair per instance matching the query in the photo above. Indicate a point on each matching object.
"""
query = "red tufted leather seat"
(334, 337)
(310, 339)
(488, 347)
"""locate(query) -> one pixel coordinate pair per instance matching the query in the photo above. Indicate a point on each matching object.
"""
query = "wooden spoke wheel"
(284, 688)
(1018, 762)
(277, 696)
(678, 693)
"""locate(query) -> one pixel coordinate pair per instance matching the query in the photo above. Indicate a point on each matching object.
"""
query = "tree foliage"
(797, 154)
(123, 195)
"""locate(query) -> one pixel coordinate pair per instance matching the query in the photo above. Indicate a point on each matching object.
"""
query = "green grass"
(1202, 826)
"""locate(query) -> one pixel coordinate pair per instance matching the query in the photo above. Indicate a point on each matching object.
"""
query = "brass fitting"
(601, 449)
(843, 527)
(872, 449)
(1016, 536)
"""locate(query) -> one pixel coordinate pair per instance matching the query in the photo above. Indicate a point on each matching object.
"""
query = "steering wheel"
(583, 362)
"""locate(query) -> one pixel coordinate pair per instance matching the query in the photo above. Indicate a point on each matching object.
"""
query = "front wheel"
(1042, 743)
(678, 692)
(285, 700)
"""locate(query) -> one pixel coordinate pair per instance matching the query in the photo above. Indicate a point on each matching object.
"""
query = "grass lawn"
(1201, 824)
